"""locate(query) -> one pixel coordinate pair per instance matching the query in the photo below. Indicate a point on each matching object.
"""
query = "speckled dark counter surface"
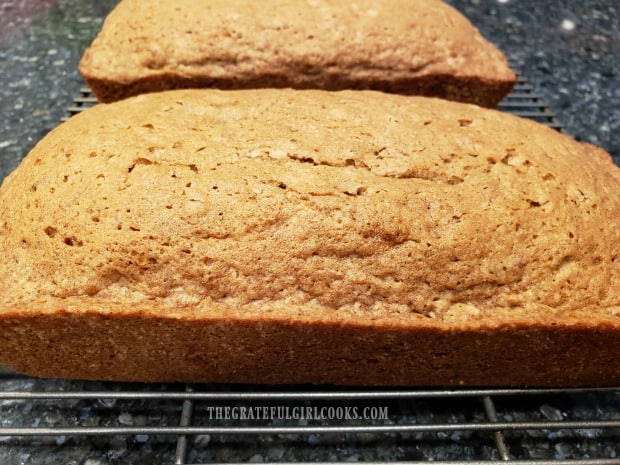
(568, 49)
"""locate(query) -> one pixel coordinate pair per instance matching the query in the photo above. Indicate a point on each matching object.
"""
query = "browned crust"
(483, 92)
(160, 349)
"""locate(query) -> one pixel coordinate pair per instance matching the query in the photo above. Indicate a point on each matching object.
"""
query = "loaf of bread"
(282, 236)
(422, 47)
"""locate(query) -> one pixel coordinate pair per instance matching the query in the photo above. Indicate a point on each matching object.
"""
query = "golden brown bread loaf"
(283, 236)
(422, 47)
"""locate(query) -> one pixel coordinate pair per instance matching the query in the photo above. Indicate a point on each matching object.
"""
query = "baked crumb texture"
(422, 47)
(281, 236)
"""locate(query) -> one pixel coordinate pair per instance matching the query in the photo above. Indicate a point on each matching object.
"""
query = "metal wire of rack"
(525, 102)
(490, 422)
(584, 428)
(522, 101)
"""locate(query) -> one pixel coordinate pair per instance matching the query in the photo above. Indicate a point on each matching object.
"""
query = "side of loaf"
(281, 236)
(422, 47)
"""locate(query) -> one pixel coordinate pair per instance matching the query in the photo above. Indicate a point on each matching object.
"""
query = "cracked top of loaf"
(404, 46)
(356, 206)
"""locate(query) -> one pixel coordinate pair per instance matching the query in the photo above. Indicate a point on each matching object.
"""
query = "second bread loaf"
(422, 47)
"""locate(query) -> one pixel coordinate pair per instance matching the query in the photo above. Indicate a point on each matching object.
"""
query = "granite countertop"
(568, 49)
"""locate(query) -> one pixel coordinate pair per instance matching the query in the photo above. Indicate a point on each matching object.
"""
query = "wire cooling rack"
(525, 102)
(481, 426)
(92, 423)
(522, 101)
